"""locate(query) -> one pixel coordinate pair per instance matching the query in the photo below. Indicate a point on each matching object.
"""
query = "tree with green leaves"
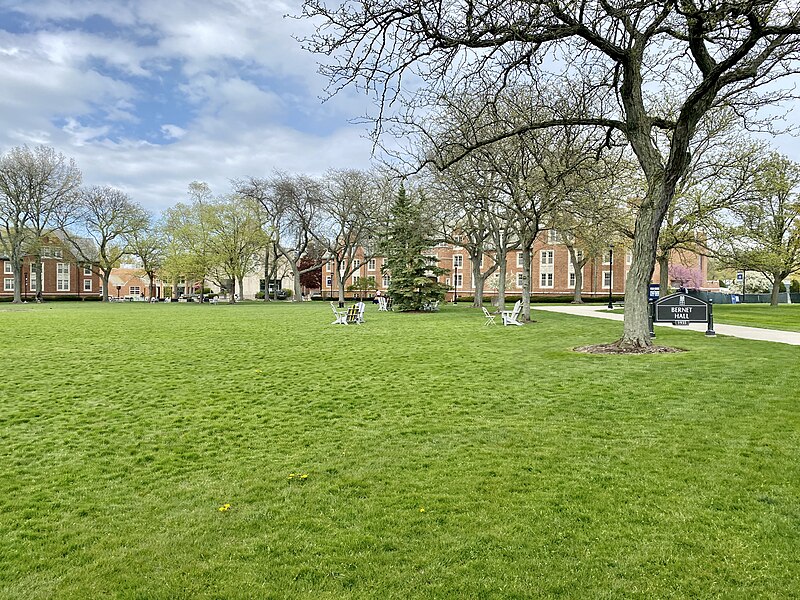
(763, 233)
(109, 218)
(412, 268)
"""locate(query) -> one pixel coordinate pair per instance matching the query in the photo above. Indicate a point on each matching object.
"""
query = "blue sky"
(149, 95)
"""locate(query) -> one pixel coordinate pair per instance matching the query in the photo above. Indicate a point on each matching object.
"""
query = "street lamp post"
(25, 288)
(119, 287)
(610, 275)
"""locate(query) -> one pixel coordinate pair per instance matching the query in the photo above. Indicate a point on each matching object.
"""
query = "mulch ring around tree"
(615, 348)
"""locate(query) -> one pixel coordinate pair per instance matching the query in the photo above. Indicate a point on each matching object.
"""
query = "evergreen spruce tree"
(413, 273)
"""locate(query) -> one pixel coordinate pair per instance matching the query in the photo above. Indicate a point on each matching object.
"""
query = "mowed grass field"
(783, 316)
(415, 456)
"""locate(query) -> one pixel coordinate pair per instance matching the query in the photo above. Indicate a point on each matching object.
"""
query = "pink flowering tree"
(683, 276)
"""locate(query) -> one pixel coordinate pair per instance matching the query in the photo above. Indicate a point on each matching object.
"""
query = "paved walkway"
(748, 333)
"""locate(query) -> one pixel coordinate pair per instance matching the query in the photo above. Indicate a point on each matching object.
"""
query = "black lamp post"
(25, 288)
(610, 275)
(119, 287)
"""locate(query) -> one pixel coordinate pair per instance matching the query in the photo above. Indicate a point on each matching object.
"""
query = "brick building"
(552, 272)
(62, 274)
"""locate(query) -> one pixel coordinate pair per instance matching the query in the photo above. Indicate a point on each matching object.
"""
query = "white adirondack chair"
(511, 317)
(382, 303)
(489, 317)
(340, 314)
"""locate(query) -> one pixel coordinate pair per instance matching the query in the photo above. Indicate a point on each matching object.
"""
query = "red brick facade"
(550, 271)
(62, 274)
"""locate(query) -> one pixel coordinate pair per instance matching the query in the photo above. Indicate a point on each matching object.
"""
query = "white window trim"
(87, 271)
(85, 287)
(459, 278)
(8, 268)
(62, 281)
(372, 264)
(8, 284)
(519, 259)
(550, 255)
(458, 261)
(548, 275)
(603, 280)
(520, 280)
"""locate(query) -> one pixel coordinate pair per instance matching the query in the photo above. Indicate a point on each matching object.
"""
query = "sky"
(150, 95)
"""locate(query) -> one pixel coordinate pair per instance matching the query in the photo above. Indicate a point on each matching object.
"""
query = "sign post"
(682, 309)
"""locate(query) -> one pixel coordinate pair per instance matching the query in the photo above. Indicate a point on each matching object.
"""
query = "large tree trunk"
(106, 276)
(777, 286)
(16, 266)
(577, 267)
(297, 292)
(636, 330)
(37, 275)
(526, 281)
(241, 288)
(502, 269)
(663, 274)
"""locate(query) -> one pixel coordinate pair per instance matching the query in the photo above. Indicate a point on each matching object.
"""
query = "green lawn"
(444, 459)
(783, 316)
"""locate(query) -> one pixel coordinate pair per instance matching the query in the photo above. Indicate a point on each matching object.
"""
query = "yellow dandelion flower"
(421, 509)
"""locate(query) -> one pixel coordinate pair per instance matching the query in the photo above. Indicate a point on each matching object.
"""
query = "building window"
(546, 268)
(87, 285)
(519, 259)
(356, 263)
(628, 257)
(458, 260)
(457, 239)
(572, 279)
(8, 284)
(459, 278)
(372, 264)
(7, 268)
(553, 237)
(62, 277)
(607, 280)
(606, 258)
(33, 281)
(520, 280)
(135, 290)
(356, 279)
(47, 252)
(328, 281)
(87, 270)
(58, 253)
(385, 281)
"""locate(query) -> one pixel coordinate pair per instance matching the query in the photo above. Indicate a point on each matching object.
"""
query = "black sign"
(680, 309)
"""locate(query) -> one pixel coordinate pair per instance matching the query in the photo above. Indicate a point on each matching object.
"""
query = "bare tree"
(620, 59)
(149, 247)
(463, 194)
(38, 190)
(350, 211)
(109, 218)
(290, 205)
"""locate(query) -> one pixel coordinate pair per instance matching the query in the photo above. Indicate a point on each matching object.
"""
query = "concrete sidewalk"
(747, 333)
